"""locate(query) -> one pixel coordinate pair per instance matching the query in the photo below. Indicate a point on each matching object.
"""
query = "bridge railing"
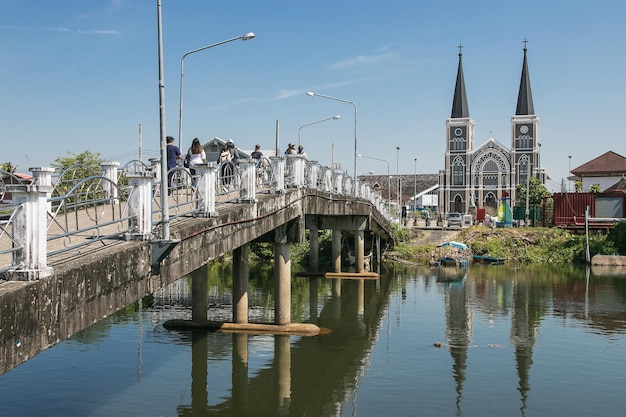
(48, 218)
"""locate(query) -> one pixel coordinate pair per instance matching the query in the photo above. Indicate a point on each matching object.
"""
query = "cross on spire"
(460, 49)
(525, 42)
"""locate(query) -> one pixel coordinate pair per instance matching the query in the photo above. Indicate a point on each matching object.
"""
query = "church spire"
(459, 105)
(525, 96)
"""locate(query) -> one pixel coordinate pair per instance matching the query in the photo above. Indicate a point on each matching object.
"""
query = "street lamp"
(312, 123)
(245, 37)
(415, 188)
(311, 94)
(388, 179)
(569, 173)
(398, 176)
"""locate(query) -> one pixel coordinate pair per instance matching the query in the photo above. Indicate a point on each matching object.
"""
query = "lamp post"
(569, 173)
(398, 177)
(311, 94)
(388, 179)
(415, 188)
(165, 215)
(245, 37)
(312, 123)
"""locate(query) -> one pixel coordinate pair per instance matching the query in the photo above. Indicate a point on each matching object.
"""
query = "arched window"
(491, 201)
(458, 172)
(490, 174)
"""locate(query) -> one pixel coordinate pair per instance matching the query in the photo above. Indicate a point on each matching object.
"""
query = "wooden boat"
(489, 260)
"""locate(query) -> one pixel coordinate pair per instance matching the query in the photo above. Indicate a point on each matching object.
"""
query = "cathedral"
(480, 177)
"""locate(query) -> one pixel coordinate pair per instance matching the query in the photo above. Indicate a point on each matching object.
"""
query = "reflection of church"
(482, 175)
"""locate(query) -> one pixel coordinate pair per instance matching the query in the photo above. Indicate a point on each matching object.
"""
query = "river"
(489, 341)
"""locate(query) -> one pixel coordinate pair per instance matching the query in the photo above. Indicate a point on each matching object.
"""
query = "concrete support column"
(278, 174)
(240, 373)
(199, 294)
(336, 251)
(29, 227)
(240, 285)
(247, 192)
(205, 189)
(155, 167)
(109, 171)
(282, 283)
(282, 357)
(140, 204)
(313, 173)
(359, 250)
(313, 298)
(314, 248)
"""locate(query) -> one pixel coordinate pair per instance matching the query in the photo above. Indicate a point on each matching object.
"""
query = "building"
(604, 171)
(481, 176)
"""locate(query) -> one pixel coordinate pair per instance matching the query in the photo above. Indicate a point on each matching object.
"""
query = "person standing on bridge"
(173, 155)
(196, 156)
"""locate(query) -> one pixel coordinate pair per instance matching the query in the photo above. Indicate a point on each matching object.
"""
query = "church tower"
(459, 144)
(525, 145)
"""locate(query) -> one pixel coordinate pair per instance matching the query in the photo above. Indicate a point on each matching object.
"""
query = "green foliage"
(617, 236)
(537, 191)
(595, 188)
(578, 186)
(399, 234)
(82, 165)
(8, 167)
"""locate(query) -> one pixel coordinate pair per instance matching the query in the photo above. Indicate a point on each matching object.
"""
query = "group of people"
(196, 155)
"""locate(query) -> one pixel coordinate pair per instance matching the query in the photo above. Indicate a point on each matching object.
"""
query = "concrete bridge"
(111, 269)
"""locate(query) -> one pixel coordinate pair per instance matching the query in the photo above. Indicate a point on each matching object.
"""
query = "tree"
(74, 168)
(8, 167)
(578, 186)
(537, 192)
(595, 188)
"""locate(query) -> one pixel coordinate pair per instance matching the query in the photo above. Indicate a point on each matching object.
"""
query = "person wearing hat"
(291, 149)
(301, 152)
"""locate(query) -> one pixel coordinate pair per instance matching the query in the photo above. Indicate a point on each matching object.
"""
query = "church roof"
(609, 163)
(525, 96)
(459, 105)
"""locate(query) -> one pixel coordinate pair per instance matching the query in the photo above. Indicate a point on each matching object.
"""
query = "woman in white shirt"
(196, 155)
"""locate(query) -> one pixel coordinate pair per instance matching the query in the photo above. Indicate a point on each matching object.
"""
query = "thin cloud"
(234, 103)
(64, 30)
(284, 94)
(363, 60)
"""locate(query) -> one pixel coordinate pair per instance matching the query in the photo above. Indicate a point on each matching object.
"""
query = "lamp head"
(310, 93)
(337, 117)
(248, 36)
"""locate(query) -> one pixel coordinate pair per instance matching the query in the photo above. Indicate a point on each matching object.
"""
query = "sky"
(84, 75)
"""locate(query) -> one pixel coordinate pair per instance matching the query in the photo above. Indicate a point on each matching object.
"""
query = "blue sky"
(83, 75)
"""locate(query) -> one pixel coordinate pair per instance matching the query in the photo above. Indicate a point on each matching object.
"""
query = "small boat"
(452, 254)
(489, 260)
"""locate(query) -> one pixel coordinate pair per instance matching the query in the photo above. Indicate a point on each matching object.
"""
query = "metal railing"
(124, 204)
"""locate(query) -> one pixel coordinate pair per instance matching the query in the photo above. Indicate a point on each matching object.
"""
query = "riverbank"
(532, 245)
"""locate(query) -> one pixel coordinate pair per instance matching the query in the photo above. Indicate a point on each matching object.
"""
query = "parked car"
(455, 219)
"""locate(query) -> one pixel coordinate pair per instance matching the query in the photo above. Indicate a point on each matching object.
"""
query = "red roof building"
(606, 171)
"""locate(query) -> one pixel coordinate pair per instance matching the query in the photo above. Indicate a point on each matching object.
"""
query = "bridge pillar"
(336, 250)
(359, 250)
(207, 174)
(277, 182)
(314, 248)
(240, 285)
(247, 192)
(140, 204)
(199, 294)
(199, 372)
(282, 283)
(30, 228)
(109, 171)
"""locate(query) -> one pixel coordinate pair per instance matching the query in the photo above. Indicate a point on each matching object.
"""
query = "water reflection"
(513, 342)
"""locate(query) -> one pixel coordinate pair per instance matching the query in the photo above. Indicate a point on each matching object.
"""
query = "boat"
(452, 254)
(488, 260)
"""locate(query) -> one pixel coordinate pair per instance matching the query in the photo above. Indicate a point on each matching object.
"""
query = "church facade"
(480, 176)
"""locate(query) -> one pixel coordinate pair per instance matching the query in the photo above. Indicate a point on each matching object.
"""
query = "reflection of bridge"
(311, 376)
(77, 277)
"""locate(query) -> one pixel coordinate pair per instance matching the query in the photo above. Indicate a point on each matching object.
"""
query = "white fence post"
(206, 189)
(109, 171)
(140, 204)
(313, 172)
(297, 170)
(247, 192)
(29, 227)
(278, 174)
(338, 182)
(327, 179)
